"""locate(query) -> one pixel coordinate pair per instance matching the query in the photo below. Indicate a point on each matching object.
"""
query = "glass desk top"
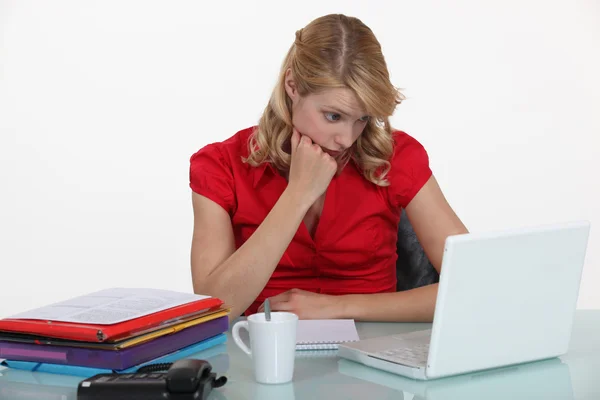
(323, 375)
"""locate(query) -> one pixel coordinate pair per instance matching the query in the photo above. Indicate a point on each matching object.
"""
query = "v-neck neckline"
(324, 217)
(328, 198)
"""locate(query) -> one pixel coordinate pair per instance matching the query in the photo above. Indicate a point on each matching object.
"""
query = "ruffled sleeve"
(409, 169)
(211, 176)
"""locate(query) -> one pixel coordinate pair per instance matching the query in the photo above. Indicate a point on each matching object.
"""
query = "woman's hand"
(306, 305)
(311, 169)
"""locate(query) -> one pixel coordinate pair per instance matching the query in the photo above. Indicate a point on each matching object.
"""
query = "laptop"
(504, 298)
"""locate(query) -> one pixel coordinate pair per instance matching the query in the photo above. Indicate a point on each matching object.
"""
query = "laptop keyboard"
(416, 355)
(413, 349)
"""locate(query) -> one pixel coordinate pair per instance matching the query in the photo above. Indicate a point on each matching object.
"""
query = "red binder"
(107, 333)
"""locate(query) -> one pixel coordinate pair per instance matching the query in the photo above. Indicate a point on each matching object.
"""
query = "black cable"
(155, 367)
(217, 383)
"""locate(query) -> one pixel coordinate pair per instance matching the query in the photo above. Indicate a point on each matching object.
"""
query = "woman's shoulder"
(232, 147)
(409, 168)
(408, 153)
(216, 166)
(404, 142)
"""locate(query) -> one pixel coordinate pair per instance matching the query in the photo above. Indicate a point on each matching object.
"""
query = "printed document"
(110, 306)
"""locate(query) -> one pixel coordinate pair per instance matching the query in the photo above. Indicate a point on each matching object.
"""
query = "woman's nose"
(344, 140)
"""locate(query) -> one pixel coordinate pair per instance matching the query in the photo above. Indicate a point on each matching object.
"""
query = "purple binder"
(113, 359)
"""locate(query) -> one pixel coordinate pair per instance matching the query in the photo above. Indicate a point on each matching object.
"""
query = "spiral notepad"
(325, 334)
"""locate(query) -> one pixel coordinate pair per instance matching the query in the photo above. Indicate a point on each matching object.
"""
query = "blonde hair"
(333, 51)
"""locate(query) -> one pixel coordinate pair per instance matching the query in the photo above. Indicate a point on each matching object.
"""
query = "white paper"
(110, 306)
(312, 331)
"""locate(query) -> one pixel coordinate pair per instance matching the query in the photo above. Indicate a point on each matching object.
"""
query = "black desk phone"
(185, 379)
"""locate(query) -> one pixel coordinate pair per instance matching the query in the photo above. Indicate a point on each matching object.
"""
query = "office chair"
(413, 268)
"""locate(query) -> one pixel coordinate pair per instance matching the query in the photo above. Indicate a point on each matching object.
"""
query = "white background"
(102, 103)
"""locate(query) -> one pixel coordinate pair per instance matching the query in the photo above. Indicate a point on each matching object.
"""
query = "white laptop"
(504, 298)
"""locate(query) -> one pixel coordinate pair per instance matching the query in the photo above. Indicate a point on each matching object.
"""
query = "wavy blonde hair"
(333, 51)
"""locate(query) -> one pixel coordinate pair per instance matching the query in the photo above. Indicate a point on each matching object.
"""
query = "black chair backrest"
(413, 268)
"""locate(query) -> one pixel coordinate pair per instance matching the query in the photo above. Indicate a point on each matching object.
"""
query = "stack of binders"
(127, 329)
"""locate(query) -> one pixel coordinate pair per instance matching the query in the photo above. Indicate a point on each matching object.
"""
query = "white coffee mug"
(272, 345)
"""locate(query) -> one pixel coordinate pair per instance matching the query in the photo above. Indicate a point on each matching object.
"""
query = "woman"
(304, 208)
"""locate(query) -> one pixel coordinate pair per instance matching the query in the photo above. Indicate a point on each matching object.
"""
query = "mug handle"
(235, 332)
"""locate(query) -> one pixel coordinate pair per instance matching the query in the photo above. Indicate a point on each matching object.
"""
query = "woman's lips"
(332, 153)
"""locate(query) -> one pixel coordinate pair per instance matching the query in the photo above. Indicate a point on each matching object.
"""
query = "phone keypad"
(129, 377)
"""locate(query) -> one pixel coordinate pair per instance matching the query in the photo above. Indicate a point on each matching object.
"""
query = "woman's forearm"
(244, 274)
(415, 305)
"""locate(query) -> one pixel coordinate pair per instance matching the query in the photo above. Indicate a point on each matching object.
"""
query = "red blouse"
(354, 247)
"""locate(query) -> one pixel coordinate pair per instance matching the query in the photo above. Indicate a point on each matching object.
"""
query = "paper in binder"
(109, 315)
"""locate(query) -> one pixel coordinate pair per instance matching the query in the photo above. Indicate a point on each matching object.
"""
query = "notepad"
(325, 334)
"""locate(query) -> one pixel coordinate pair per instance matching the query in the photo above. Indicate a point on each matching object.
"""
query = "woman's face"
(332, 119)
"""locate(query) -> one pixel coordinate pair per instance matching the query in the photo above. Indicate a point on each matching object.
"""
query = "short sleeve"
(409, 169)
(211, 176)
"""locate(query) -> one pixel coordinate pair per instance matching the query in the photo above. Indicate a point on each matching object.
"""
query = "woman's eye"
(332, 116)
(365, 118)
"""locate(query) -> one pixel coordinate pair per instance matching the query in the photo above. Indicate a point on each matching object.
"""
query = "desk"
(573, 376)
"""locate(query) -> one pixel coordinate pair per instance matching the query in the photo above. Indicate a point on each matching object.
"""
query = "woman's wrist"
(297, 199)
(339, 306)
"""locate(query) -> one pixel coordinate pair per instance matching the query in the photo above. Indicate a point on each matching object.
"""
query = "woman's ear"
(290, 85)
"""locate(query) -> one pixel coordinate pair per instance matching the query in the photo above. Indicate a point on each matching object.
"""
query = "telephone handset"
(184, 379)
